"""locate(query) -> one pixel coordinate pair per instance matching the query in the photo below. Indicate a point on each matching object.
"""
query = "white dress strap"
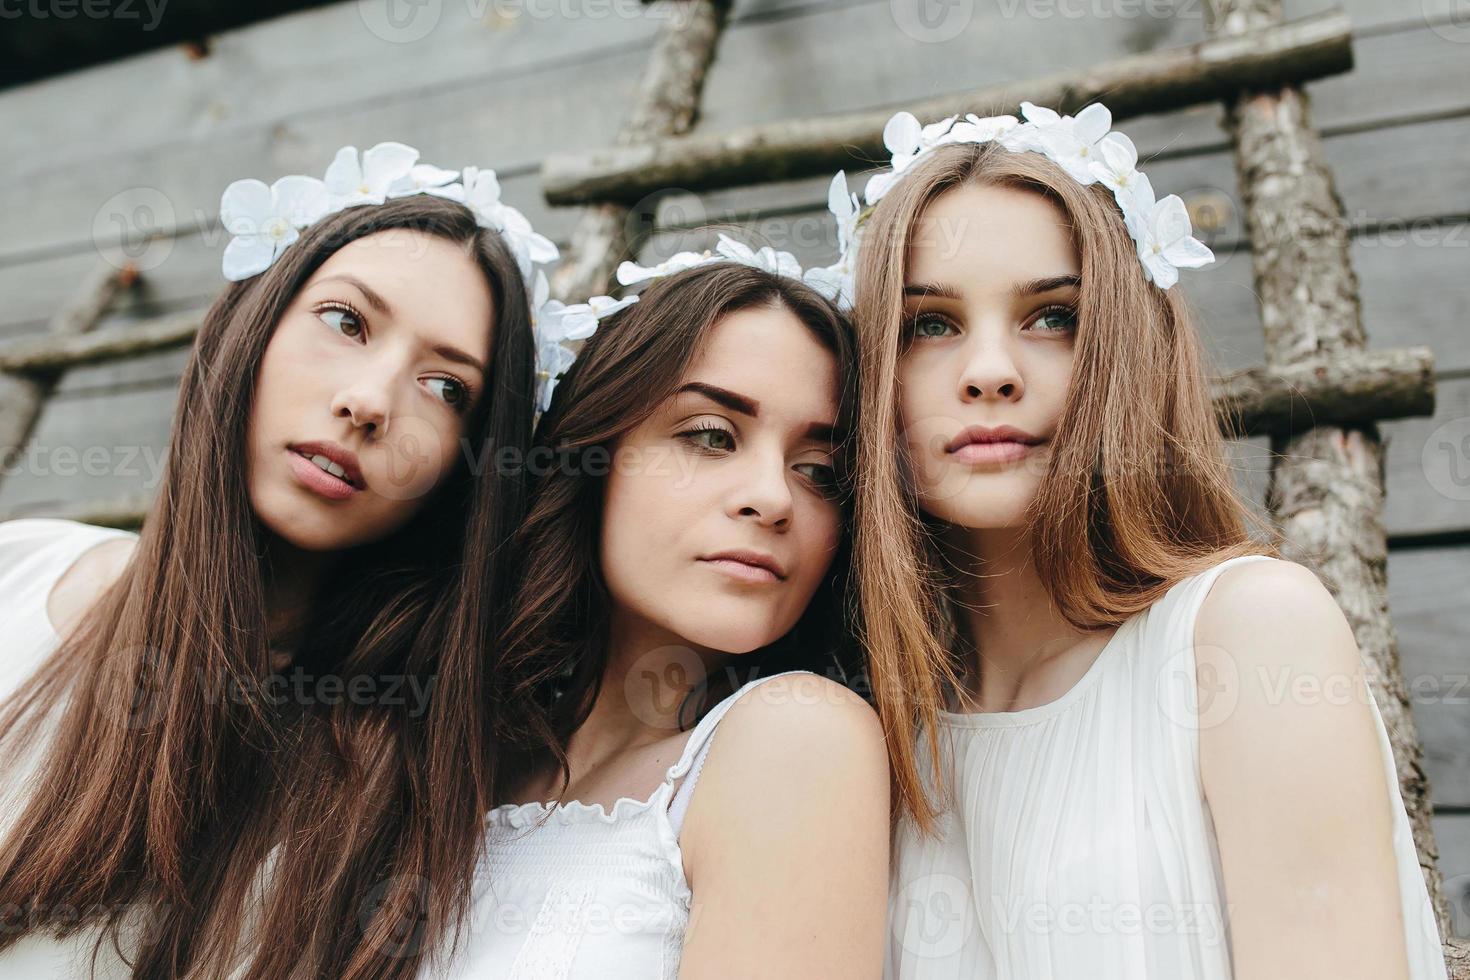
(697, 748)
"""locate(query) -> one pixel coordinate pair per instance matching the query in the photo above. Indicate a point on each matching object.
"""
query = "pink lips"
(748, 566)
(318, 480)
(997, 444)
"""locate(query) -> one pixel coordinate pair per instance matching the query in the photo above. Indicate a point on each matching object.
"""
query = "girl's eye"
(824, 477)
(342, 319)
(1056, 319)
(454, 393)
(929, 325)
(710, 437)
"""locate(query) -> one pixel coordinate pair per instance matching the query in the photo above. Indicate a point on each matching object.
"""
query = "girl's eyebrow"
(1045, 285)
(938, 289)
(1029, 288)
(736, 402)
(375, 299)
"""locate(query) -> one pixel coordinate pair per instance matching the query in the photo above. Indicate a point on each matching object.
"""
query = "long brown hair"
(170, 784)
(1136, 496)
(554, 649)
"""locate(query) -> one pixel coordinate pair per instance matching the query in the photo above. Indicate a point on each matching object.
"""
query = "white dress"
(587, 894)
(34, 553)
(1081, 845)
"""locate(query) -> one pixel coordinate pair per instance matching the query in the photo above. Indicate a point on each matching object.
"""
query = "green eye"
(929, 325)
(343, 320)
(1056, 320)
(710, 437)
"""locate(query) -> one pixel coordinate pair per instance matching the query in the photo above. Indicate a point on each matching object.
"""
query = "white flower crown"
(557, 322)
(265, 220)
(1083, 146)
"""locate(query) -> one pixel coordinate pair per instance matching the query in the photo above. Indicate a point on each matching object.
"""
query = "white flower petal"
(1188, 253)
(1160, 270)
(455, 191)
(300, 200)
(604, 306)
(901, 133)
(877, 186)
(344, 175)
(631, 272)
(1039, 115)
(248, 255)
(1118, 153)
(245, 206)
(1092, 123)
(1169, 220)
(386, 162)
(737, 251)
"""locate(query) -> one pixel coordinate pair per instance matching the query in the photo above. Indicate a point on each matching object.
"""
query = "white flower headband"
(265, 220)
(1082, 145)
(557, 323)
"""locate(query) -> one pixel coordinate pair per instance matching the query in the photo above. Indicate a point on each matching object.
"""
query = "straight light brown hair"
(160, 798)
(1137, 494)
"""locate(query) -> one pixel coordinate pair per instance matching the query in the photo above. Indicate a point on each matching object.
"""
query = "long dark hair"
(553, 653)
(167, 790)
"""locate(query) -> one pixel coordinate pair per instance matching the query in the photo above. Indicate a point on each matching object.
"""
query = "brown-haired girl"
(252, 740)
(1108, 781)
(683, 568)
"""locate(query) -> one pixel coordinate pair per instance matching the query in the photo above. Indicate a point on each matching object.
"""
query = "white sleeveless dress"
(1081, 845)
(34, 552)
(587, 894)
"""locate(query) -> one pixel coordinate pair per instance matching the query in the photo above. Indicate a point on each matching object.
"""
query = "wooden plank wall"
(99, 159)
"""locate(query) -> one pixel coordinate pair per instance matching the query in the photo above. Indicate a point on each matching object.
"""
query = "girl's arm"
(786, 839)
(1294, 778)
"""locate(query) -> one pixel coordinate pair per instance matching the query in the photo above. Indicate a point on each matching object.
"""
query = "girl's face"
(371, 371)
(990, 294)
(739, 461)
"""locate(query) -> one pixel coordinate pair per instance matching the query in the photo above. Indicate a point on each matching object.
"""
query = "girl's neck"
(292, 583)
(1016, 627)
(653, 687)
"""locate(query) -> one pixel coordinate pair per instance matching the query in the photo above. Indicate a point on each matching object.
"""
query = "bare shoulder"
(786, 842)
(799, 712)
(799, 744)
(1268, 607)
(76, 590)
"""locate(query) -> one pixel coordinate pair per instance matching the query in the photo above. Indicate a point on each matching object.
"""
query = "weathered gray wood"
(1453, 831)
(38, 355)
(1357, 387)
(1327, 486)
(1311, 48)
(21, 397)
(665, 103)
(1427, 591)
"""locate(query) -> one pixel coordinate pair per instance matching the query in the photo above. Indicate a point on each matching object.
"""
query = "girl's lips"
(318, 480)
(741, 570)
(993, 452)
